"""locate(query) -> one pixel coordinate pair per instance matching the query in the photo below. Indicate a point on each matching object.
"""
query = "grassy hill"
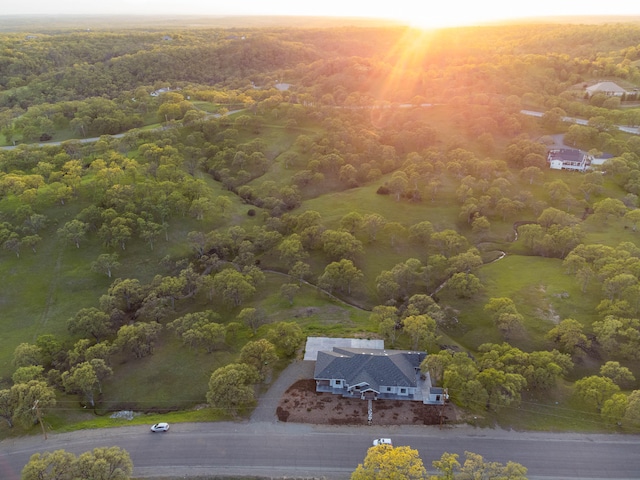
(202, 194)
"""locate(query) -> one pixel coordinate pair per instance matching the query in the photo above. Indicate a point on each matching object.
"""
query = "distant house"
(568, 159)
(368, 373)
(156, 93)
(608, 88)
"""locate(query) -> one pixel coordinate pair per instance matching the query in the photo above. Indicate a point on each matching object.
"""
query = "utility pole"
(39, 417)
(445, 397)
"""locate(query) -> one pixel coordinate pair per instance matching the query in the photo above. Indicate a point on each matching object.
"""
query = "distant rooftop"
(610, 87)
(566, 154)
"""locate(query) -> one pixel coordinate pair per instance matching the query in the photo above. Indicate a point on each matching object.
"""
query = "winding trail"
(502, 255)
(322, 290)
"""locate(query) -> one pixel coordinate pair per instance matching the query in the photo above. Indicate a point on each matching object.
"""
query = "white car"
(160, 427)
(382, 441)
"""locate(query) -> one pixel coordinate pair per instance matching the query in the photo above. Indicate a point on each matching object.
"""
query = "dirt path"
(322, 290)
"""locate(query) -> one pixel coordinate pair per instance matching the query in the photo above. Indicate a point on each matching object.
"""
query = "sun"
(428, 18)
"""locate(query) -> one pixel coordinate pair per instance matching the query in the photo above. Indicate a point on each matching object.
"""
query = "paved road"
(95, 139)
(264, 446)
(580, 121)
(281, 449)
(48, 144)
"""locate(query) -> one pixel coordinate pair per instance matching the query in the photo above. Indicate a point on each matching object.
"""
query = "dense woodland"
(270, 184)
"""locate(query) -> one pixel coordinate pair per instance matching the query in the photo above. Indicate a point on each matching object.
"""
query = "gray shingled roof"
(371, 366)
(605, 87)
(566, 154)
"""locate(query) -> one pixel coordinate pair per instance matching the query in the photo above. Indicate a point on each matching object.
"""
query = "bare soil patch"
(302, 404)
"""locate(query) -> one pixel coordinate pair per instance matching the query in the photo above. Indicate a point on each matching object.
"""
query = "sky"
(424, 13)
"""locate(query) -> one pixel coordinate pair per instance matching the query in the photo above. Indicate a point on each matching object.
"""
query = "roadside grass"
(160, 382)
(166, 390)
(61, 424)
(557, 411)
(64, 134)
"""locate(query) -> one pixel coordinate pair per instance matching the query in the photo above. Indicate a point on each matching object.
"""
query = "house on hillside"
(368, 373)
(608, 88)
(568, 159)
(160, 91)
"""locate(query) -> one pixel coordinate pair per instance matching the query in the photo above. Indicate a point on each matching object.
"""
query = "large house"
(607, 88)
(369, 373)
(568, 159)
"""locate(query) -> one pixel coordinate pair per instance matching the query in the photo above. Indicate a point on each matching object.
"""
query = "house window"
(388, 389)
(338, 382)
(403, 390)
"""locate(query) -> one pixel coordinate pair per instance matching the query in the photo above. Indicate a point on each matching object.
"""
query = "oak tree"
(260, 354)
(286, 337)
(384, 462)
(595, 390)
(232, 387)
